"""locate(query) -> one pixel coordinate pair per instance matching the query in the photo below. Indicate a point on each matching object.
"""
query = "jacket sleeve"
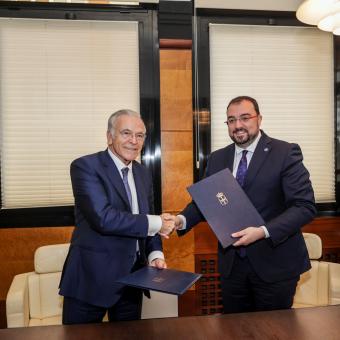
(91, 198)
(298, 198)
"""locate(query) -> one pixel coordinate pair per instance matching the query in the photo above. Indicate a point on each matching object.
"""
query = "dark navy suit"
(278, 185)
(103, 244)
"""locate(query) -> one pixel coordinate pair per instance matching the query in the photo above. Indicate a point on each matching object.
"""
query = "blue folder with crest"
(224, 205)
(169, 281)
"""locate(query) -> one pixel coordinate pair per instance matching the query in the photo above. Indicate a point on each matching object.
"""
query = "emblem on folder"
(222, 198)
(158, 279)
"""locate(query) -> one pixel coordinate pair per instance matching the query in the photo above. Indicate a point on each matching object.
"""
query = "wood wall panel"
(179, 252)
(176, 92)
(328, 228)
(205, 240)
(177, 148)
(176, 169)
(175, 44)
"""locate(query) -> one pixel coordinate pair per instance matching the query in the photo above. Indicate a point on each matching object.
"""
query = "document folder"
(224, 205)
(162, 280)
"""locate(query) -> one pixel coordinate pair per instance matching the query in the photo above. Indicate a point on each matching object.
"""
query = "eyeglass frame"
(127, 134)
(243, 119)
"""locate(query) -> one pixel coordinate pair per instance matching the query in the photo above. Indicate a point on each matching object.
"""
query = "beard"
(244, 139)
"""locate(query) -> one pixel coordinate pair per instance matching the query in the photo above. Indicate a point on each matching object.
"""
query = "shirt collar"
(118, 162)
(251, 147)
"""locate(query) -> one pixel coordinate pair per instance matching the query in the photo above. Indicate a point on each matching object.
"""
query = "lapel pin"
(265, 149)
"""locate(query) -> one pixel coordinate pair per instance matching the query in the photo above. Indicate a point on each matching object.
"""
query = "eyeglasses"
(128, 134)
(243, 119)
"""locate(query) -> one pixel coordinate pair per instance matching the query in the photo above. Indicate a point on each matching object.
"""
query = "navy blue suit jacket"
(103, 244)
(278, 185)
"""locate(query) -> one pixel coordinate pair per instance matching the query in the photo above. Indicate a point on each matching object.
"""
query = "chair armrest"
(334, 283)
(17, 308)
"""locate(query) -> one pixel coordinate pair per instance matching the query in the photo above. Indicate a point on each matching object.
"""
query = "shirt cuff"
(184, 222)
(266, 232)
(155, 224)
(156, 254)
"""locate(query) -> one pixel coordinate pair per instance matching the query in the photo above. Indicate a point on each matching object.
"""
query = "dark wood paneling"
(205, 239)
(186, 303)
(328, 228)
(3, 319)
(175, 44)
(208, 288)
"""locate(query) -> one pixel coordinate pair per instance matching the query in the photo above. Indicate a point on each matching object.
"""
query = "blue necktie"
(242, 169)
(140, 248)
(126, 185)
(240, 177)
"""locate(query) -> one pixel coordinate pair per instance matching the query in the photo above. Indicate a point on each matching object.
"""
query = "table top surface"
(303, 323)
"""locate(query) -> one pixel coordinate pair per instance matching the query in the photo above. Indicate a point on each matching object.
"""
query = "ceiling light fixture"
(323, 13)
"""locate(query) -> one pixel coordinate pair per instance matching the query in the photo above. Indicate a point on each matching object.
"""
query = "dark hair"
(240, 99)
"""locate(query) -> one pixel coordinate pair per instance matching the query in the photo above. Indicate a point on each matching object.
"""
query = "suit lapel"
(114, 176)
(261, 153)
(140, 189)
(229, 159)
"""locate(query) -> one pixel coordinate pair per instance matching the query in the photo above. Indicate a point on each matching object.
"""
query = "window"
(289, 70)
(60, 81)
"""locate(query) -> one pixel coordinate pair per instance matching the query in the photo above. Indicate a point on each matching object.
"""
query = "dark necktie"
(240, 177)
(141, 243)
(125, 172)
(242, 169)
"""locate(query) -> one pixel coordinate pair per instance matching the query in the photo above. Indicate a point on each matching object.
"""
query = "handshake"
(169, 224)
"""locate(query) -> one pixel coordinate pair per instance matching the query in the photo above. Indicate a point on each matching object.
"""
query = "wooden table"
(321, 323)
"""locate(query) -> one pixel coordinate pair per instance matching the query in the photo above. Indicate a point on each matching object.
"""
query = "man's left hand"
(158, 263)
(248, 235)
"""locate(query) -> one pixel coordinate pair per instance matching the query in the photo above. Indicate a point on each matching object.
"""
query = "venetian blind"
(60, 81)
(289, 70)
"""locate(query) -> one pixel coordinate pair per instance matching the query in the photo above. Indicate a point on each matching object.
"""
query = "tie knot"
(125, 172)
(244, 153)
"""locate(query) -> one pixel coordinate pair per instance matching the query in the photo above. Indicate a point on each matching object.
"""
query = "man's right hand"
(178, 222)
(168, 225)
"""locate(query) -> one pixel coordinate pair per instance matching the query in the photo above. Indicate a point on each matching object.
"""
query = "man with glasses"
(261, 269)
(115, 229)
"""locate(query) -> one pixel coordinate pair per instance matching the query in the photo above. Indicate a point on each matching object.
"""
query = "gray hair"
(111, 123)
